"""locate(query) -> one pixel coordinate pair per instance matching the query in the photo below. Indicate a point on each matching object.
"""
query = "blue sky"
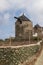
(33, 9)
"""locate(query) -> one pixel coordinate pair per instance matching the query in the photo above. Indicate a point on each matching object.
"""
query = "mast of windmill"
(18, 19)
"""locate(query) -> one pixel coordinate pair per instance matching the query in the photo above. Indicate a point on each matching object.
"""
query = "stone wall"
(23, 30)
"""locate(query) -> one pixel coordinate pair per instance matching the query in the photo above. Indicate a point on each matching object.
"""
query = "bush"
(35, 38)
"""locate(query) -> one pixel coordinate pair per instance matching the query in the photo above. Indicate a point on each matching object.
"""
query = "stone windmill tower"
(23, 27)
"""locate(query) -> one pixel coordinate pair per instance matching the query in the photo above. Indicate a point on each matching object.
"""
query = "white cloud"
(29, 5)
(34, 7)
(9, 4)
(6, 16)
(4, 5)
(4, 19)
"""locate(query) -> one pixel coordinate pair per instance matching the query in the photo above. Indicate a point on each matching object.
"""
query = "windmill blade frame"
(18, 19)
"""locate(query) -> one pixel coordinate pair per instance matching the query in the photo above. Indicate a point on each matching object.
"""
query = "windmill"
(21, 23)
(18, 19)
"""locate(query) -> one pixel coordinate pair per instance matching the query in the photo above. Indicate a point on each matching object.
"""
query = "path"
(40, 59)
(38, 43)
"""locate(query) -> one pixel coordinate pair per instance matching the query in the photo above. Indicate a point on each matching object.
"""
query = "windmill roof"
(37, 26)
(24, 18)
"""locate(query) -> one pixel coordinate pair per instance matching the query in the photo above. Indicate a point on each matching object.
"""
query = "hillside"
(18, 56)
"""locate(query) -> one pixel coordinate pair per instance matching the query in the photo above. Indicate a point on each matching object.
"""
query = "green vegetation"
(36, 38)
(15, 56)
